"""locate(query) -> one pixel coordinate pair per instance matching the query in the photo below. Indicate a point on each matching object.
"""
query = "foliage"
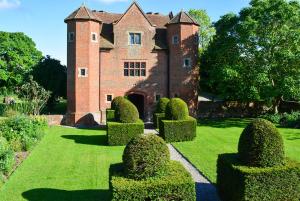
(110, 115)
(145, 156)
(126, 112)
(157, 117)
(288, 120)
(52, 76)
(178, 130)
(22, 132)
(121, 133)
(255, 55)
(18, 55)
(206, 28)
(177, 109)
(7, 158)
(21, 107)
(236, 182)
(176, 184)
(274, 118)
(161, 105)
(261, 145)
(34, 94)
(116, 101)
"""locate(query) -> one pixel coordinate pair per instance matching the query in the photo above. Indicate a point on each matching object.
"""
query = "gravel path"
(205, 191)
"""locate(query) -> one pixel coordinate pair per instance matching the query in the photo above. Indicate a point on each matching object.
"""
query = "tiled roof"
(82, 13)
(107, 18)
(184, 18)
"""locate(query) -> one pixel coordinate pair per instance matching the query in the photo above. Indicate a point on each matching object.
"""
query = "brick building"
(144, 56)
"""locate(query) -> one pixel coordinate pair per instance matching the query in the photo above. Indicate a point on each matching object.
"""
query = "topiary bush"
(126, 112)
(177, 109)
(161, 105)
(145, 156)
(116, 101)
(261, 145)
(110, 115)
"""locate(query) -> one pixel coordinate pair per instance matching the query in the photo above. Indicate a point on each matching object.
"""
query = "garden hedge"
(157, 117)
(110, 115)
(178, 130)
(177, 109)
(236, 182)
(121, 133)
(145, 156)
(176, 184)
(161, 105)
(116, 101)
(126, 112)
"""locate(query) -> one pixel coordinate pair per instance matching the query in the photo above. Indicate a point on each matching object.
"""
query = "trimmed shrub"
(177, 131)
(110, 115)
(161, 105)
(236, 182)
(145, 156)
(261, 145)
(157, 117)
(22, 132)
(177, 109)
(121, 133)
(116, 101)
(291, 120)
(176, 184)
(7, 158)
(126, 112)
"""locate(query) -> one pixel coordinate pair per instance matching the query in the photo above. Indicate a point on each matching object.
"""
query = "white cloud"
(7, 4)
(111, 1)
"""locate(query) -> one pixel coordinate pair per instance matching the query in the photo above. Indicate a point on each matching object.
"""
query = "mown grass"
(68, 164)
(221, 136)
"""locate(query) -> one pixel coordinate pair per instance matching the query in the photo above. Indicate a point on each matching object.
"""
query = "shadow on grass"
(225, 123)
(49, 194)
(98, 127)
(99, 140)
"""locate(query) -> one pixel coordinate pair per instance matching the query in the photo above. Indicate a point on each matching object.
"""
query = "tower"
(182, 34)
(83, 29)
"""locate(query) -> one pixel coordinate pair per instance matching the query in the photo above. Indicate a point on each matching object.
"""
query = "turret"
(83, 67)
(183, 54)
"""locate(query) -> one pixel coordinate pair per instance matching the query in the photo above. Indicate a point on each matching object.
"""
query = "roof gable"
(183, 18)
(139, 8)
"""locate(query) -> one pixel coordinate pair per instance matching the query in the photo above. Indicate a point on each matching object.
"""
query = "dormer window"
(94, 37)
(135, 38)
(175, 39)
(71, 36)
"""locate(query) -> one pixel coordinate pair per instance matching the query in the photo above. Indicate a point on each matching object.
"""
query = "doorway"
(138, 101)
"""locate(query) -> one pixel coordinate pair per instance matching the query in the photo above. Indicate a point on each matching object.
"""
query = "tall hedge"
(261, 145)
(161, 105)
(116, 101)
(126, 112)
(177, 109)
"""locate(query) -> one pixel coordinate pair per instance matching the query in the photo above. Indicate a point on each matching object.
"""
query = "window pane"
(126, 65)
(131, 64)
(109, 98)
(126, 73)
(143, 72)
(137, 72)
(137, 38)
(82, 72)
(137, 64)
(131, 35)
(143, 64)
(131, 72)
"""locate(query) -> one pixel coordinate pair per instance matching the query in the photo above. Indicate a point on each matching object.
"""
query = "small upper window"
(82, 72)
(157, 97)
(197, 38)
(109, 98)
(94, 37)
(187, 63)
(135, 38)
(71, 36)
(175, 39)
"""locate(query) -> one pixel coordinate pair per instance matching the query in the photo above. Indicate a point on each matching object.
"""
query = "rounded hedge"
(116, 101)
(177, 109)
(161, 105)
(145, 156)
(261, 145)
(126, 112)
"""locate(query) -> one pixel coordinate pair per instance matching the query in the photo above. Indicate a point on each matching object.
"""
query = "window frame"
(92, 37)
(69, 37)
(106, 98)
(173, 39)
(190, 62)
(155, 97)
(80, 72)
(134, 68)
(134, 38)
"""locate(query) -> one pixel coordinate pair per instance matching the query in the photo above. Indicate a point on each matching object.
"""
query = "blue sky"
(43, 20)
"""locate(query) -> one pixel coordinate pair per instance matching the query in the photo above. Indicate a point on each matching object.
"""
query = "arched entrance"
(139, 101)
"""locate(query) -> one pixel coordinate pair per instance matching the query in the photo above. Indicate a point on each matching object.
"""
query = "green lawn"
(68, 164)
(216, 137)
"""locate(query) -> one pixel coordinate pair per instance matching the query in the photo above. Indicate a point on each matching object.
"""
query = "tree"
(256, 55)
(34, 95)
(18, 55)
(51, 75)
(206, 29)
